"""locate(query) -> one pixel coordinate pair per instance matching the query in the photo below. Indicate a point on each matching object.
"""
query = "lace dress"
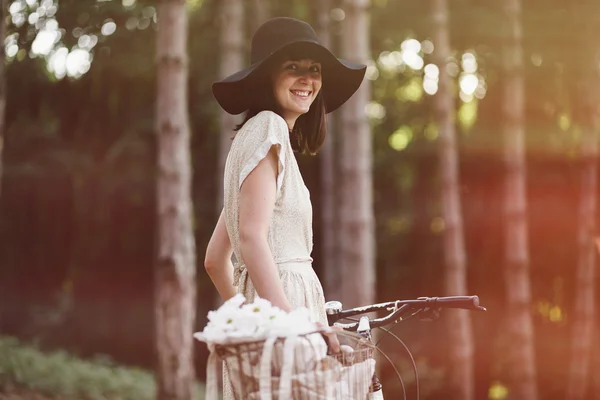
(290, 231)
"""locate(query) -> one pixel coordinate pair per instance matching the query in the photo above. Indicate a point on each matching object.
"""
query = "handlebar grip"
(465, 302)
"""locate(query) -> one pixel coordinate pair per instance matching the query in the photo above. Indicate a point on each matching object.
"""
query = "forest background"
(78, 206)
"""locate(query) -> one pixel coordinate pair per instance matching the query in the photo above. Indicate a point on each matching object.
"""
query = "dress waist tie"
(240, 272)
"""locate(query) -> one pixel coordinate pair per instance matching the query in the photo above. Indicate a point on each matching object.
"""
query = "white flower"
(234, 302)
(222, 317)
(235, 321)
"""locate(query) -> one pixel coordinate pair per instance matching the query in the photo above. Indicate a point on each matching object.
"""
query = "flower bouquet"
(237, 321)
(271, 354)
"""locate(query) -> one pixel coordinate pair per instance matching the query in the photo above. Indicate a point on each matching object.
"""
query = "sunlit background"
(77, 211)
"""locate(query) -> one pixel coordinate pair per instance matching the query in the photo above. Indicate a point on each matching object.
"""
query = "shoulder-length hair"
(310, 128)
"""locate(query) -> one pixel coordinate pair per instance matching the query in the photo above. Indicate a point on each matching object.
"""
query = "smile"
(301, 93)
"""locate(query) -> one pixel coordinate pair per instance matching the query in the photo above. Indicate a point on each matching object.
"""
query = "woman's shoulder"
(266, 123)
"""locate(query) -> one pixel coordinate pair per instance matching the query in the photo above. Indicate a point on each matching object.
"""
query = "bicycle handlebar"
(464, 302)
(335, 312)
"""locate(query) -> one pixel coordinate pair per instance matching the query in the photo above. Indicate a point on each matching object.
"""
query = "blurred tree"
(329, 233)
(584, 308)
(259, 13)
(4, 15)
(522, 366)
(231, 60)
(460, 338)
(585, 115)
(357, 225)
(175, 273)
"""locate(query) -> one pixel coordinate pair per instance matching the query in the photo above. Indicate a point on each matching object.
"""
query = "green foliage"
(60, 374)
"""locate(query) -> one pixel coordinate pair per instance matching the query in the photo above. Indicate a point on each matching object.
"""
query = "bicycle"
(399, 310)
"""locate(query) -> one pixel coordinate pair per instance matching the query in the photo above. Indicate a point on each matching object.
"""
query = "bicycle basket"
(298, 368)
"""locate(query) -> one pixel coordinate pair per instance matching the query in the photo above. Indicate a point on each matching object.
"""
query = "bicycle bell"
(333, 307)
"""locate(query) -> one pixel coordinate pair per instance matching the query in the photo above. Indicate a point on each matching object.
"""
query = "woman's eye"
(315, 69)
(291, 67)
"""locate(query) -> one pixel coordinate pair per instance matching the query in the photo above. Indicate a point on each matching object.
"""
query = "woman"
(292, 82)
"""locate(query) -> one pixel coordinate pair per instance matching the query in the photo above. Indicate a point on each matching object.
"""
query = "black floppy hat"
(282, 36)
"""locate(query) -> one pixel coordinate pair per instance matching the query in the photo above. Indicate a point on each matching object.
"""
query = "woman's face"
(296, 84)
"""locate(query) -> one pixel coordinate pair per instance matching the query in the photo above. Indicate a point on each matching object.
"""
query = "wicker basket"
(299, 368)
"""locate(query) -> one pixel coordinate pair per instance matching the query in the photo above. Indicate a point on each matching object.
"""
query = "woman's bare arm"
(218, 261)
(257, 200)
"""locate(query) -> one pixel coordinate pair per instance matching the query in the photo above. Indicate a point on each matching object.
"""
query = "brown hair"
(310, 129)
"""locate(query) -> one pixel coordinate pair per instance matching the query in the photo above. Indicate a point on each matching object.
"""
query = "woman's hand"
(331, 338)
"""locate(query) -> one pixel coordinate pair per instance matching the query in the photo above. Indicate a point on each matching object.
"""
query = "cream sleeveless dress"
(290, 232)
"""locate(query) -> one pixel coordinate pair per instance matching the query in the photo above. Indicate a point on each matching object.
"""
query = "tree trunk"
(260, 13)
(517, 273)
(330, 266)
(459, 321)
(357, 233)
(3, 14)
(584, 312)
(232, 60)
(175, 273)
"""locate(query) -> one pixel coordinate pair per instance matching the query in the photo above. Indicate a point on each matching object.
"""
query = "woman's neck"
(290, 121)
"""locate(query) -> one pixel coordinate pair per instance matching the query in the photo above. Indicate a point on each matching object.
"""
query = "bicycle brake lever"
(394, 308)
(429, 314)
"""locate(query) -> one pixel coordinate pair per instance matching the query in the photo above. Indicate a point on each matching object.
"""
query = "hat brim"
(341, 78)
